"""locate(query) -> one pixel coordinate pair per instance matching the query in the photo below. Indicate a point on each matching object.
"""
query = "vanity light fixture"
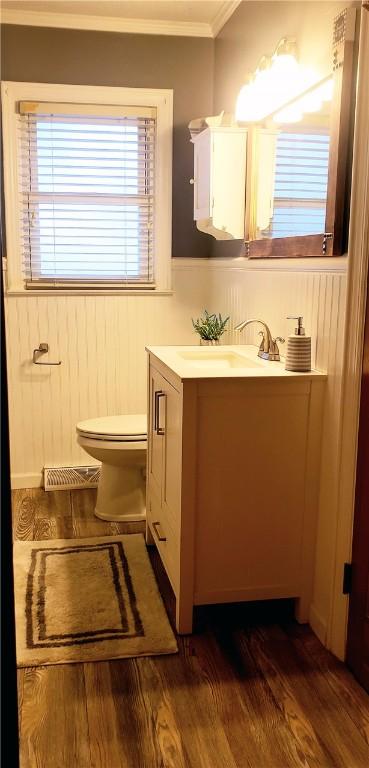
(309, 102)
(277, 80)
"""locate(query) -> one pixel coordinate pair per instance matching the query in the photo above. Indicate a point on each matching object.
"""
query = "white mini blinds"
(87, 194)
(300, 183)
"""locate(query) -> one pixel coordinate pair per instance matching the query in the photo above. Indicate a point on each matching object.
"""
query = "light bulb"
(277, 81)
(287, 45)
(244, 105)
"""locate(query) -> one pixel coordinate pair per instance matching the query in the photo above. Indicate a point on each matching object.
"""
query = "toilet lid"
(127, 427)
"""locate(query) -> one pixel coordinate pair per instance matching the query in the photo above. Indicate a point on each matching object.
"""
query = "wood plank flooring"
(249, 689)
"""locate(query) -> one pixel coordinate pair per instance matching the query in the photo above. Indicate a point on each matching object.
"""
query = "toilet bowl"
(119, 442)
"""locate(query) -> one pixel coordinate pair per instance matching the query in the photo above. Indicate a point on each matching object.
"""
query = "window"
(87, 192)
(93, 202)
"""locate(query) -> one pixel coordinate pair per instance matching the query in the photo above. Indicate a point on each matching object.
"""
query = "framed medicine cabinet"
(297, 189)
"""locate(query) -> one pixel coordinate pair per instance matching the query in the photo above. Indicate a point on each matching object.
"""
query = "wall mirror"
(298, 156)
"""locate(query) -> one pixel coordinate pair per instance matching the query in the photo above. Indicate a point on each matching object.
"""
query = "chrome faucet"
(268, 349)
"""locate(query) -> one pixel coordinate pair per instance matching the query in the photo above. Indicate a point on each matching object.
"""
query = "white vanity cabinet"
(219, 181)
(232, 484)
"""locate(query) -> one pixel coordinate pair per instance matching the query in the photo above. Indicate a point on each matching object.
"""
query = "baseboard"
(318, 625)
(29, 480)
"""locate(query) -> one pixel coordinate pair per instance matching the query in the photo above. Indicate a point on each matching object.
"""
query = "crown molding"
(108, 23)
(225, 13)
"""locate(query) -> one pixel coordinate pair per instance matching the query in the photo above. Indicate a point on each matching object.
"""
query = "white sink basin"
(217, 358)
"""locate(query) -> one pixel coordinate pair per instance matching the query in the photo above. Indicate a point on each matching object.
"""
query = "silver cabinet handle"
(41, 349)
(156, 405)
(158, 429)
(155, 526)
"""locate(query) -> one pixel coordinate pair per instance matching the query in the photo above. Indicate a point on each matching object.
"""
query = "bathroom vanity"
(232, 475)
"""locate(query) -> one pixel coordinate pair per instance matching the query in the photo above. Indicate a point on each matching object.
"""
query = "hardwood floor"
(249, 689)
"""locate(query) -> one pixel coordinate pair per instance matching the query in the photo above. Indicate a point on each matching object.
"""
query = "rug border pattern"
(80, 638)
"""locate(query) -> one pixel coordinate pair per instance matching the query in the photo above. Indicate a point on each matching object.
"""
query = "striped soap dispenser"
(298, 355)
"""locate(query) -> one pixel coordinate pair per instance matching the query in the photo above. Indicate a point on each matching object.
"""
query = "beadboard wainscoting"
(101, 343)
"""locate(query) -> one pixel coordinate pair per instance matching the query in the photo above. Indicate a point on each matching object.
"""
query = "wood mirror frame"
(331, 242)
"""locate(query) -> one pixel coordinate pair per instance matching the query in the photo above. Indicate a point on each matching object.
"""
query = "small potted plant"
(210, 327)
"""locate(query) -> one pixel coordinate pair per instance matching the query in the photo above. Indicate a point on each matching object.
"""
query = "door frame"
(360, 552)
(353, 349)
(10, 747)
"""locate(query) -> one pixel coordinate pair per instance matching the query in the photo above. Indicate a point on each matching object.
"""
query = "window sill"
(86, 292)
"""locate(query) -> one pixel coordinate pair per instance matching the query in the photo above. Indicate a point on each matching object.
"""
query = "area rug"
(87, 600)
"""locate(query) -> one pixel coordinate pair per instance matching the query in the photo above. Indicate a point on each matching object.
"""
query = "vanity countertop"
(234, 361)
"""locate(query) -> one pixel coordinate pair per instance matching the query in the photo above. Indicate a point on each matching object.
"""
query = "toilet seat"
(130, 428)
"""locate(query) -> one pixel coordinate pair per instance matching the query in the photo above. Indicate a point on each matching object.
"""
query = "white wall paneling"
(101, 341)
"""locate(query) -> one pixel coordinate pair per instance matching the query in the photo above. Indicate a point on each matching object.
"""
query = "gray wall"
(205, 75)
(185, 64)
(254, 30)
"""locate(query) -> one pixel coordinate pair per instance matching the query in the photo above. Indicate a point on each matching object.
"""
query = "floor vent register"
(65, 478)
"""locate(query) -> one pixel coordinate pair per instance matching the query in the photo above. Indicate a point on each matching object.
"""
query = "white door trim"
(354, 337)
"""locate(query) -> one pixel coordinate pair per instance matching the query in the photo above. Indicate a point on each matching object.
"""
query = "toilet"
(119, 442)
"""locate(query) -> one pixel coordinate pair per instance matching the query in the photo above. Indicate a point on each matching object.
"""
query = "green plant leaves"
(211, 326)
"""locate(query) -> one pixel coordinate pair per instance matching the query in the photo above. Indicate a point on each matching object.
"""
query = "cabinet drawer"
(166, 539)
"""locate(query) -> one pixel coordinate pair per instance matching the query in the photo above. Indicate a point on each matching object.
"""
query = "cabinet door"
(165, 446)
(171, 496)
(202, 174)
(156, 432)
(228, 182)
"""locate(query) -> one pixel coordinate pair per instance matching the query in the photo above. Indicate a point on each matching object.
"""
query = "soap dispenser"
(298, 355)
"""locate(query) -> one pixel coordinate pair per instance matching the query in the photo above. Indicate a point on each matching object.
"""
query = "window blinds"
(300, 184)
(87, 194)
